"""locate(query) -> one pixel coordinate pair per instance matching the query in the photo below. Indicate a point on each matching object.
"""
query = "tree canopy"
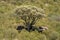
(30, 14)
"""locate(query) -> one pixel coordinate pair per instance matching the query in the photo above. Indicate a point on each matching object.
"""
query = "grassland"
(9, 22)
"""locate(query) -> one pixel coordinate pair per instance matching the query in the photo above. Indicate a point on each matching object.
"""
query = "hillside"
(9, 21)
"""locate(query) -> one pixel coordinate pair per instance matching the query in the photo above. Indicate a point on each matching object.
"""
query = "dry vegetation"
(9, 20)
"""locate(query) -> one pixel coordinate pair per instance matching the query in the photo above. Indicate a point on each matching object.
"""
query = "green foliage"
(30, 14)
(9, 20)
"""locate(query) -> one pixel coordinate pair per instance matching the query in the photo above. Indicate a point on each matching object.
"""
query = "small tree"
(30, 14)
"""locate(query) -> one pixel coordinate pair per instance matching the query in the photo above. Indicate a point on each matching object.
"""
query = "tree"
(30, 14)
